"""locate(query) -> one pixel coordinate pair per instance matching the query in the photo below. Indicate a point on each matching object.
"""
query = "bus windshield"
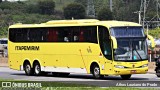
(131, 43)
(131, 49)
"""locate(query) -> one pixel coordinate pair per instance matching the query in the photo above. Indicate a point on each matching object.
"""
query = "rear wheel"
(125, 77)
(28, 69)
(158, 72)
(96, 72)
(37, 69)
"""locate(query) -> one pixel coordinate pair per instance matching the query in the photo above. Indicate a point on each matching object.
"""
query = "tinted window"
(3, 42)
(105, 42)
(127, 32)
(55, 34)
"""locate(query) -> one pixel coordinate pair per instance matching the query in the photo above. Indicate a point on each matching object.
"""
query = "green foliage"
(32, 8)
(24, 12)
(83, 2)
(105, 14)
(46, 7)
(74, 10)
(124, 10)
(154, 32)
(12, 7)
(38, 11)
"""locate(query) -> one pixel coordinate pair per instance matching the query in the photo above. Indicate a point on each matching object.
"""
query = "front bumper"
(119, 71)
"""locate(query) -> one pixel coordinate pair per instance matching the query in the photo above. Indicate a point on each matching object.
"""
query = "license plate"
(133, 71)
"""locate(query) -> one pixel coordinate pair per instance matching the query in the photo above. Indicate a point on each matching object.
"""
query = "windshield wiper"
(138, 53)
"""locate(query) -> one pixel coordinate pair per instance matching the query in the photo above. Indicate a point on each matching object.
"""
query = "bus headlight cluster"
(145, 65)
(118, 66)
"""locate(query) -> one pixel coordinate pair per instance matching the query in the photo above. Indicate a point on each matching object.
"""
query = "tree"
(32, 8)
(83, 2)
(0, 1)
(74, 10)
(105, 14)
(46, 6)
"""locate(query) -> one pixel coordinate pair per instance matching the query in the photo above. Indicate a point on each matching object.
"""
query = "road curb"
(4, 66)
(151, 72)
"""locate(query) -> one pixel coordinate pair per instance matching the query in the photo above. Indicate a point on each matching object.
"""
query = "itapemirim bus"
(79, 46)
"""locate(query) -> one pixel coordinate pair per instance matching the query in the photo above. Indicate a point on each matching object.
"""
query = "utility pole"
(144, 12)
(111, 5)
(155, 19)
(90, 8)
(158, 18)
(139, 16)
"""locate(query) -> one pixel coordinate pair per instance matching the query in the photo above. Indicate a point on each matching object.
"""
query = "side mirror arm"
(114, 42)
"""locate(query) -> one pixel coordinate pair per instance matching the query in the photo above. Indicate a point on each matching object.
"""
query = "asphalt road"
(7, 73)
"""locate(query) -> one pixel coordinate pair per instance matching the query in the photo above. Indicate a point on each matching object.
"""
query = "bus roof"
(119, 23)
(80, 22)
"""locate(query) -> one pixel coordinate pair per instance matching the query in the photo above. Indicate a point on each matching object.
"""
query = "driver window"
(105, 42)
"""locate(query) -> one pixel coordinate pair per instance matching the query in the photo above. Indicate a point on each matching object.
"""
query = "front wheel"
(125, 77)
(158, 72)
(96, 72)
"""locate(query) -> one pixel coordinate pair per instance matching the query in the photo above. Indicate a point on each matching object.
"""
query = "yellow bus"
(79, 46)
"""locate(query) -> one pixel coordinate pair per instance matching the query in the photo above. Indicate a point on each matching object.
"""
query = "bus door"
(105, 45)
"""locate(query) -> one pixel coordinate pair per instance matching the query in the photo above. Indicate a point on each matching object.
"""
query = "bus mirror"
(114, 42)
(152, 40)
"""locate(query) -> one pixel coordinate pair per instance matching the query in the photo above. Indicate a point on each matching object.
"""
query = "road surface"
(7, 73)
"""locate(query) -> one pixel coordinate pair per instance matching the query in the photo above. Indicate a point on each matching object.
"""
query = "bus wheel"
(125, 77)
(37, 69)
(27, 68)
(96, 72)
(158, 72)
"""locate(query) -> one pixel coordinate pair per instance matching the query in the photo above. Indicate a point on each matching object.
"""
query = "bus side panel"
(62, 55)
(15, 61)
(91, 53)
(77, 56)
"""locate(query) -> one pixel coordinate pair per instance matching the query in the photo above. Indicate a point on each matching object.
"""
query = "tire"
(37, 69)
(96, 72)
(158, 72)
(28, 69)
(125, 77)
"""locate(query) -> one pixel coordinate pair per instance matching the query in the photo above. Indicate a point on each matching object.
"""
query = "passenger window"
(54, 34)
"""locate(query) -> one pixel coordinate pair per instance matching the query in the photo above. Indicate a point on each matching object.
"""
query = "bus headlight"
(118, 66)
(145, 65)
